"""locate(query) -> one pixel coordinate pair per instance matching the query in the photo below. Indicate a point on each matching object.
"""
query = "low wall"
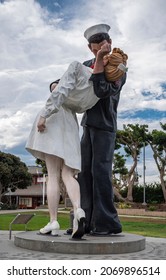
(141, 212)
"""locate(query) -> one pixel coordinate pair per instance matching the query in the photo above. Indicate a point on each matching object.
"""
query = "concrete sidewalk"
(155, 250)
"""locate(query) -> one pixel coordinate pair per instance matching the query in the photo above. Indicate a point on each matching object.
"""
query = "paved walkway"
(155, 250)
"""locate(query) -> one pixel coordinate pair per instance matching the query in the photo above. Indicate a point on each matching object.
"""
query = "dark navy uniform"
(97, 149)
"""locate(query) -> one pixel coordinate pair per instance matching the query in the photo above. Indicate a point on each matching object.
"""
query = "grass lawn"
(38, 221)
(142, 226)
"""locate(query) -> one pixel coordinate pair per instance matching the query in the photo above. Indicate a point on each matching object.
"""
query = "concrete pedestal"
(91, 245)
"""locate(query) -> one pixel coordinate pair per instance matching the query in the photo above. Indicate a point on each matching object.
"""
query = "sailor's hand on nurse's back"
(41, 125)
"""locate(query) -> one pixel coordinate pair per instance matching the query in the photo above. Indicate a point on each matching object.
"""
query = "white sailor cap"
(95, 29)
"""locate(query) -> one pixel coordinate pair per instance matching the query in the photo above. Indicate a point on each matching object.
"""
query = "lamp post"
(42, 181)
(44, 187)
(10, 198)
(144, 168)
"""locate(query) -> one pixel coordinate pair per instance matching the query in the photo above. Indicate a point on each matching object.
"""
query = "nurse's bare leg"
(53, 164)
(73, 190)
(72, 186)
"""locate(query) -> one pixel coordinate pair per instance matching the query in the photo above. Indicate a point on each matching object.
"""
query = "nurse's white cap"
(95, 29)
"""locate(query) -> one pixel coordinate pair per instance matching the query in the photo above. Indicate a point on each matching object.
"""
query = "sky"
(39, 38)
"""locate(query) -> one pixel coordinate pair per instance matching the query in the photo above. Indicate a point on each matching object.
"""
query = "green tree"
(42, 163)
(132, 138)
(157, 142)
(119, 172)
(13, 173)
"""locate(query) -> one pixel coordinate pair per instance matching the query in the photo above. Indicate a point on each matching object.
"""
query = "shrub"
(6, 206)
(123, 205)
(153, 193)
(152, 208)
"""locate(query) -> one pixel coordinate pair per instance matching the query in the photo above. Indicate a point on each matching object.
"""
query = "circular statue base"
(91, 245)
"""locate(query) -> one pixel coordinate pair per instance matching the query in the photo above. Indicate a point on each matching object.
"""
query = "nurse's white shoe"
(52, 227)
